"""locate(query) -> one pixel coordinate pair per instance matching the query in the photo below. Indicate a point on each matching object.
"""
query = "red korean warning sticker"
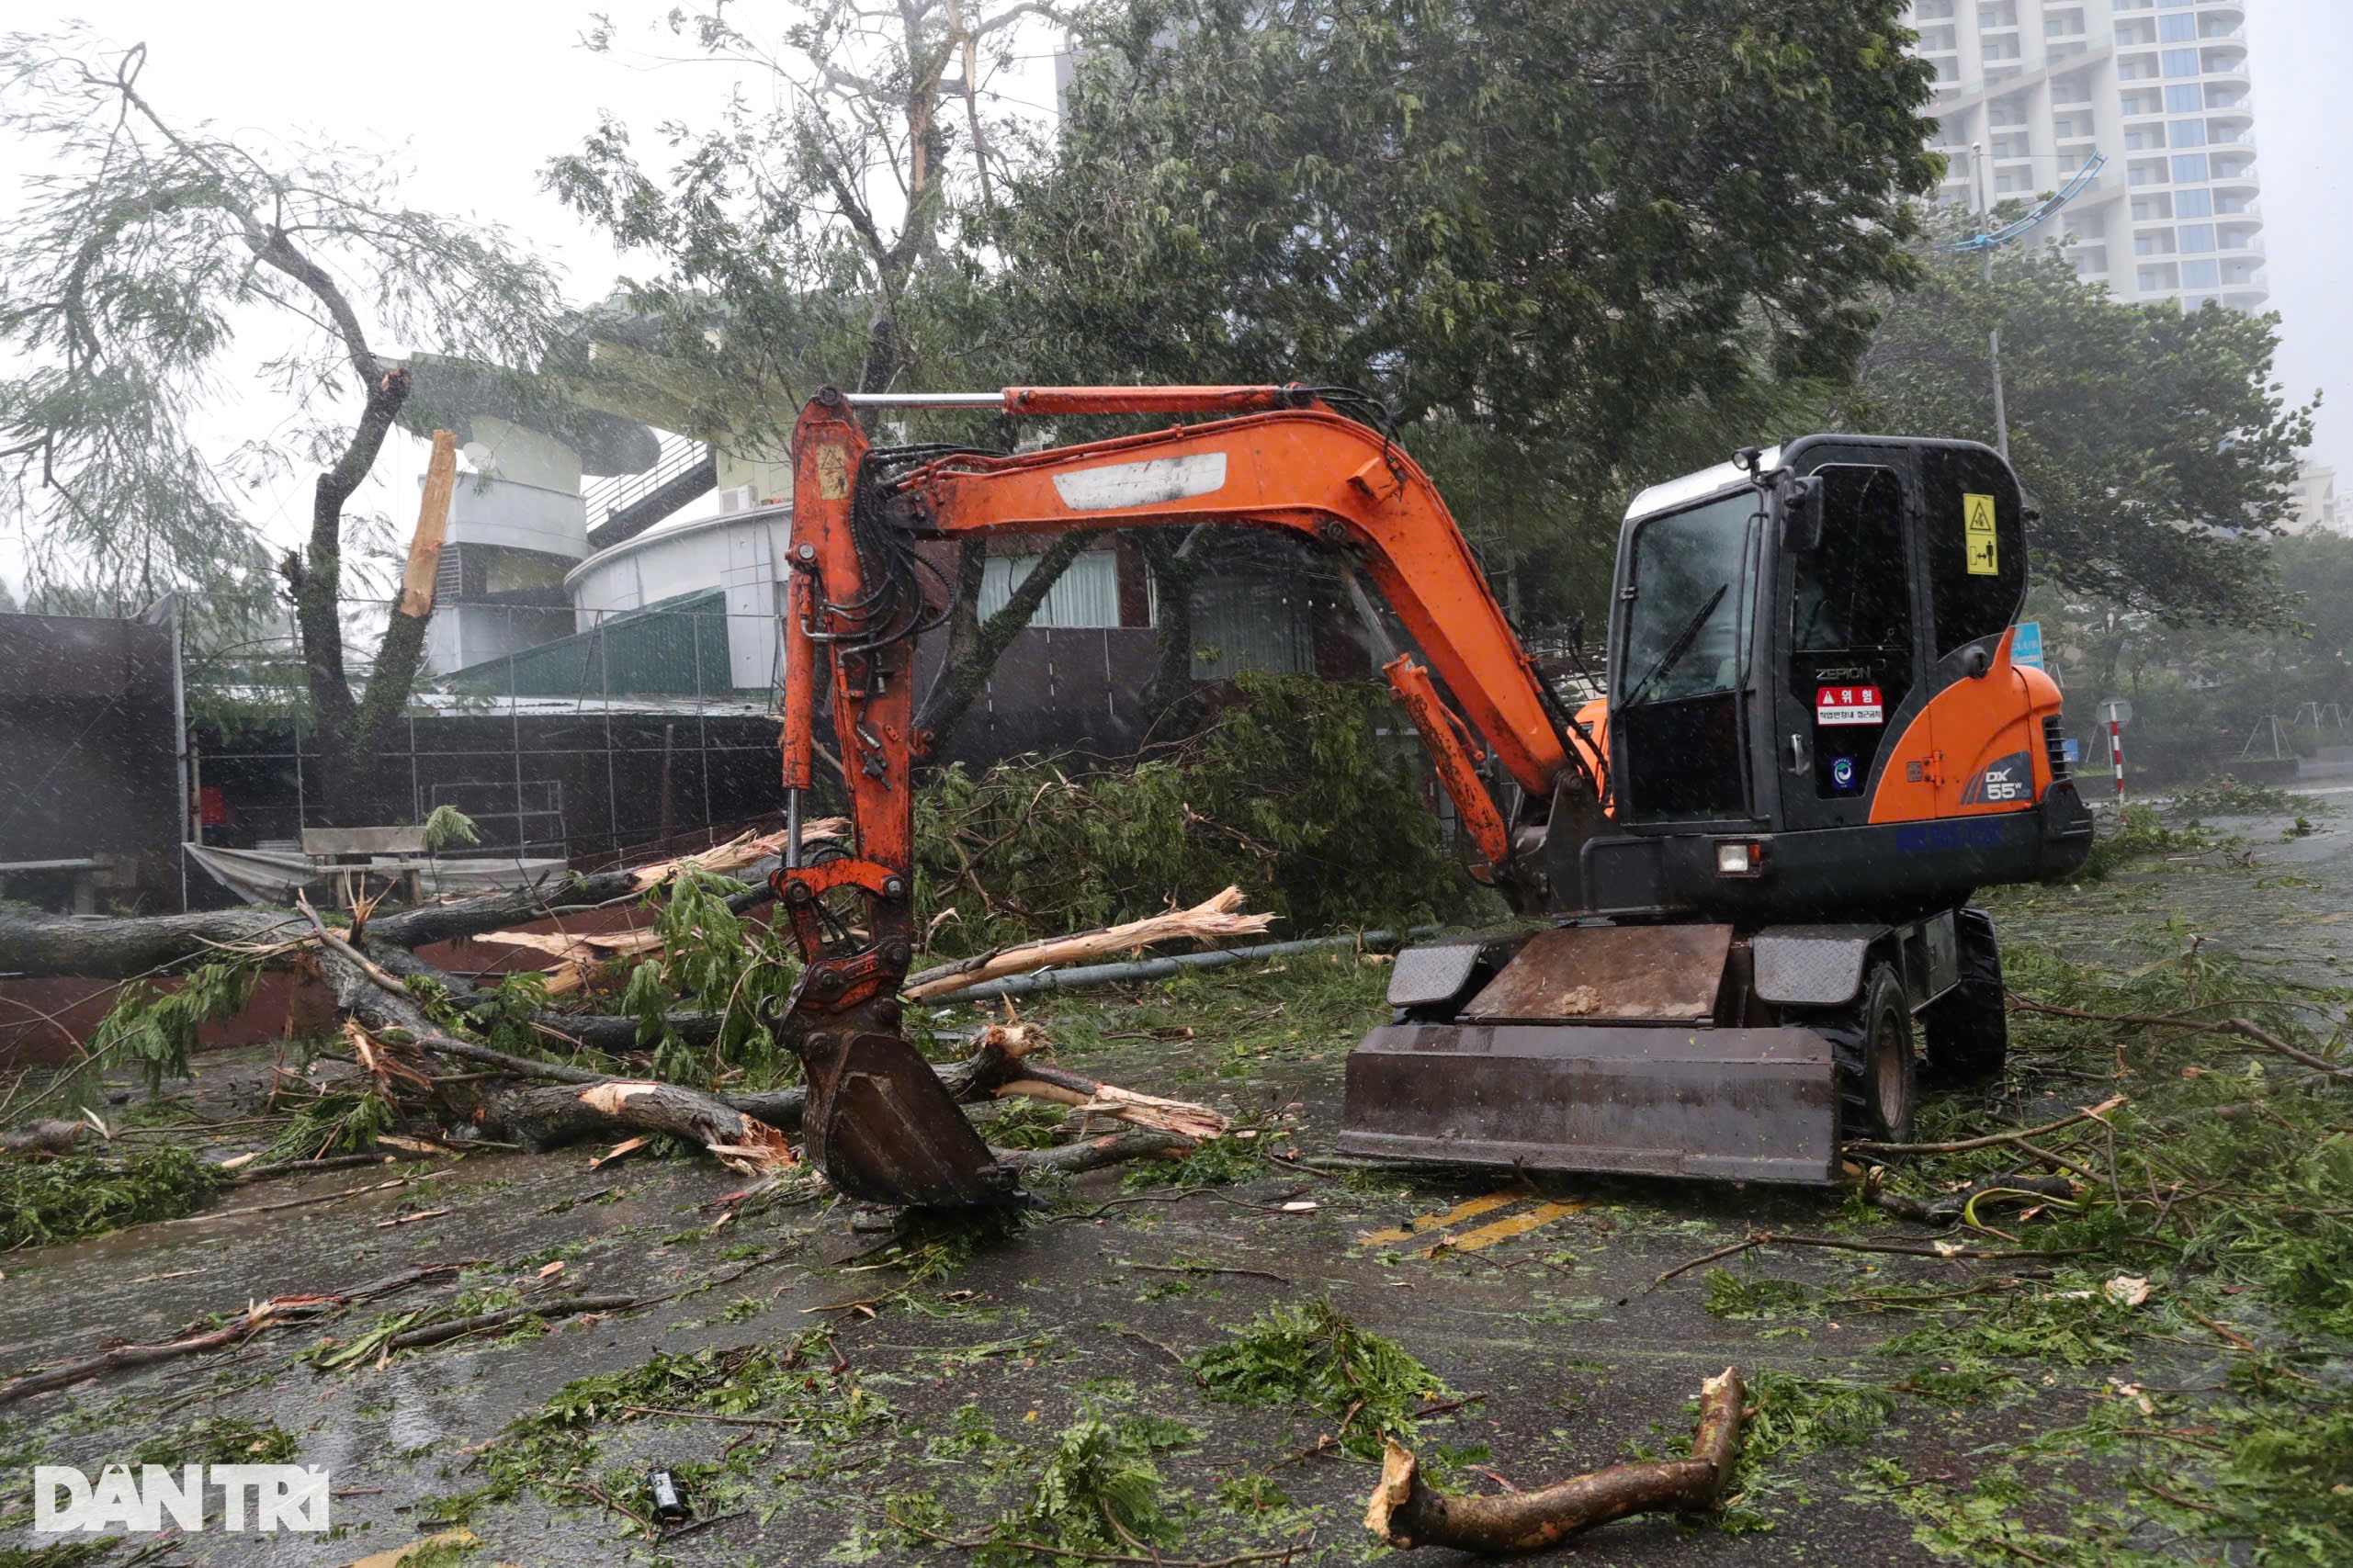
(1848, 705)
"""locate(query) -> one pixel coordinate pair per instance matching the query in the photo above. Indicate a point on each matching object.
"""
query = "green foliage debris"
(43, 1201)
(2229, 796)
(219, 1439)
(1743, 1299)
(446, 825)
(156, 1028)
(1098, 1491)
(339, 1122)
(1291, 794)
(2140, 837)
(1312, 1354)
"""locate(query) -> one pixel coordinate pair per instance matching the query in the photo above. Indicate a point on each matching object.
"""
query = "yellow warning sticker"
(1977, 524)
(833, 475)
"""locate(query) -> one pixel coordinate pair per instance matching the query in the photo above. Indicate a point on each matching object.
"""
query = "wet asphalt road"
(1578, 1364)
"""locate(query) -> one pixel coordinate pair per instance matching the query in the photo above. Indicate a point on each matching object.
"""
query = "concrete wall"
(89, 752)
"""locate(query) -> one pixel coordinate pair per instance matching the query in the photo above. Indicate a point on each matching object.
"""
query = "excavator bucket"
(877, 1121)
(1604, 1048)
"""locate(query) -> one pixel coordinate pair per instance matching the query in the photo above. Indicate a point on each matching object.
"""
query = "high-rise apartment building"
(2160, 86)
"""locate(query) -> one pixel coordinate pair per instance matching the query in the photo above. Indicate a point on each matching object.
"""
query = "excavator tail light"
(1739, 857)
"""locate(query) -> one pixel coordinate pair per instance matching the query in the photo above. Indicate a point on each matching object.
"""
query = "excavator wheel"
(1872, 1039)
(1968, 1028)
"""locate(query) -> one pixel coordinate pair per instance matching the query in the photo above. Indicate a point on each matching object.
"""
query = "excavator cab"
(1816, 747)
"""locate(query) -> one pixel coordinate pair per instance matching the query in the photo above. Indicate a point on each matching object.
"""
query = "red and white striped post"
(2116, 753)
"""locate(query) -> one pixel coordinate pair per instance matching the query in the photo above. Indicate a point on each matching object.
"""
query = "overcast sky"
(481, 96)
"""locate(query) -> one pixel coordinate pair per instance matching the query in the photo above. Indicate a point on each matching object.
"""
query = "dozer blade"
(1728, 1104)
(1596, 1048)
(878, 1123)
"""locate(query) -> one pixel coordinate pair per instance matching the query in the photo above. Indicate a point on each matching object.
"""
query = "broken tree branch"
(2245, 1029)
(1094, 1154)
(44, 1138)
(1946, 1208)
(37, 944)
(276, 1312)
(1945, 1250)
(1406, 1513)
(483, 1322)
(1091, 1096)
(1212, 920)
(1959, 1146)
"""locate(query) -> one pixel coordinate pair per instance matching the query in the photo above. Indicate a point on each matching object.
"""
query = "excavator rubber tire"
(1968, 1030)
(1878, 1074)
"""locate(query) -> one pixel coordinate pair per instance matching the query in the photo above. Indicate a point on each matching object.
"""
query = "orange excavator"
(1752, 859)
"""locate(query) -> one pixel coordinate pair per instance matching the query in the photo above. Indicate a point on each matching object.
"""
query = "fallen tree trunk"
(44, 1138)
(36, 943)
(1406, 1513)
(612, 1034)
(548, 1114)
(1213, 921)
(539, 1115)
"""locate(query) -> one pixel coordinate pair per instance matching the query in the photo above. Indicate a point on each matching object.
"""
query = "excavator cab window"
(1851, 643)
(1690, 587)
(1971, 521)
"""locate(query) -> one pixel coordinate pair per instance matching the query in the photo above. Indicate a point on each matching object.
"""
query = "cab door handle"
(1801, 755)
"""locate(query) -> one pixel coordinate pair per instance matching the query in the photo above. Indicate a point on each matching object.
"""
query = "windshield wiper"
(1680, 646)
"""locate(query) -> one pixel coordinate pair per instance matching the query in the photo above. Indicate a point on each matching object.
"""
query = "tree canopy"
(2155, 442)
(1537, 228)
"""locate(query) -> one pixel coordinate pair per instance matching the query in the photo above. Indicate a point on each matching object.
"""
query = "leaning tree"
(159, 259)
(835, 225)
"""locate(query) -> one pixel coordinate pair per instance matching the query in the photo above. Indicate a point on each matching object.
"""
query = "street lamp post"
(1986, 206)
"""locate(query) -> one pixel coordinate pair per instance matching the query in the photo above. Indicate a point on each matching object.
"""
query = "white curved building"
(741, 553)
(2161, 86)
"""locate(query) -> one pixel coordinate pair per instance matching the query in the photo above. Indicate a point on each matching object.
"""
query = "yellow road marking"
(1422, 1224)
(1504, 1230)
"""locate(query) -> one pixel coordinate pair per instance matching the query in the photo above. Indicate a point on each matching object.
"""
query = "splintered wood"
(579, 955)
(1091, 1098)
(741, 1142)
(744, 849)
(379, 1061)
(1213, 921)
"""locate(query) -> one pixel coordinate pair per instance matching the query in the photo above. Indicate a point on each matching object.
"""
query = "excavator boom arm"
(879, 1125)
(1306, 472)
